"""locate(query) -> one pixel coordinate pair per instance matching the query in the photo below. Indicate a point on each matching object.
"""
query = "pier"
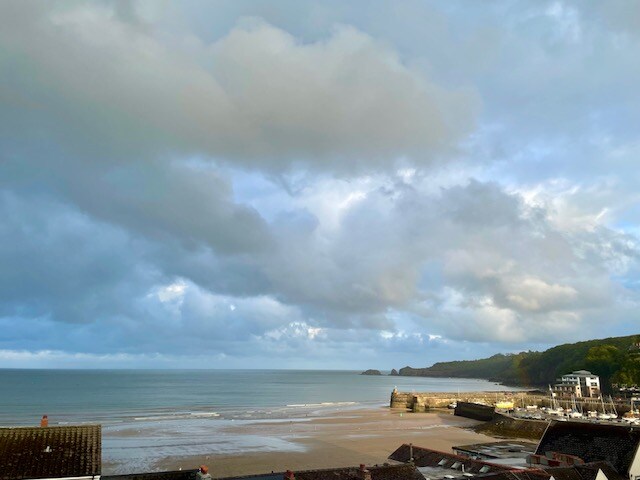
(425, 401)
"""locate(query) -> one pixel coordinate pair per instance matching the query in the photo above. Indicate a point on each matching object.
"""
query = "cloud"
(177, 186)
(257, 96)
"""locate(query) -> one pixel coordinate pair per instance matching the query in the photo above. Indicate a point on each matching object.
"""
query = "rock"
(394, 372)
(371, 372)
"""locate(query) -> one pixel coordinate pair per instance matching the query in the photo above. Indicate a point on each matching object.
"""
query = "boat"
(554, 409)
(614, 412)
(574, 412)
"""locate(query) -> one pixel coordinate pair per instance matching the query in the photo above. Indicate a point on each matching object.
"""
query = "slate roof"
(588, 471)
(616, 444)
(500, 449)
(579, 472)
(74, 451)
(425, 457)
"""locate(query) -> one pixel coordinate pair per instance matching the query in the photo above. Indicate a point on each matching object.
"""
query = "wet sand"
(344, 439)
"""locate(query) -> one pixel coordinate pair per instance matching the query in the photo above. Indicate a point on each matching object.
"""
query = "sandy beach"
(344, 438)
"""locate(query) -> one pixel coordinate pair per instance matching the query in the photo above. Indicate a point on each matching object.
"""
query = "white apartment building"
(580, 384)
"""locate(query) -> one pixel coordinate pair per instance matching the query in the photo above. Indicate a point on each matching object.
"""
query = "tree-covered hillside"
(616, 360)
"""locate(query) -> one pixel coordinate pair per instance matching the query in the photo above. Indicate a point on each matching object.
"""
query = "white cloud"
(294, 330)
(172, 292)
(257, 96)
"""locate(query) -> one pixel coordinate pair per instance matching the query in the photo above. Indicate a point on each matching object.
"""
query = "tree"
(604, 360)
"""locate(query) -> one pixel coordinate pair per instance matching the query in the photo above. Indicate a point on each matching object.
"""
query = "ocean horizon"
(149, 413)
(115, 396)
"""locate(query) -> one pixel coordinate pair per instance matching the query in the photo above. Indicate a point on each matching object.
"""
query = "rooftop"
(46, 452)
(456, 464)
(498, 450)
(378, 472)
(616, 444)
(516, 475)
(588, 471)
(167, 475)
(385, 472)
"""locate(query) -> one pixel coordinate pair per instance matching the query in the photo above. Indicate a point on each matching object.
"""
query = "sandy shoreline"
(343, 439)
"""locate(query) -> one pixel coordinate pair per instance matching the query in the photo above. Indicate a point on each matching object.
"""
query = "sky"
(315, 185)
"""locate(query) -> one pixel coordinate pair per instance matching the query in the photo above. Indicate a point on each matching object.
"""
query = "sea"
(148, 414)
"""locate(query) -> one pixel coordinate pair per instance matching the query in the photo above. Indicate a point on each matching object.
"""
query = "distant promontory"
(371, 372)
(616, 360)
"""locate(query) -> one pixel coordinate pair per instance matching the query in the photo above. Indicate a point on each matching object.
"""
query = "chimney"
(289, 475)
(44, 422)
(365, 474)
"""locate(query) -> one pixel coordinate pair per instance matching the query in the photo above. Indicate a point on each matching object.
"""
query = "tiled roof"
(592, 442)
(425, 457)
(50, 452)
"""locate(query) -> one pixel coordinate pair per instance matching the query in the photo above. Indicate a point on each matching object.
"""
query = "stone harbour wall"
(424, 401)
(502, 426)
(475, 411)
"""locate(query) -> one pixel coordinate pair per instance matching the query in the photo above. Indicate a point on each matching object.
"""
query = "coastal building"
(436, 465)
(61, 453)
(619, 445)
(591, 471)
(448, 463)
(512, 453)
(578, 384)
(588, 471)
